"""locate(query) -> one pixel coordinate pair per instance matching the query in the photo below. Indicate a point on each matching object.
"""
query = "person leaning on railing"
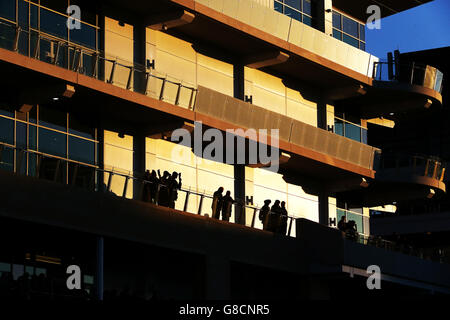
(217, 203)
(227, 202)
(264, 212)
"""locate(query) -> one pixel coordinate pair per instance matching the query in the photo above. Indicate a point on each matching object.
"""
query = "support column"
(100, 268)
(324, 209)
(139, 56)
(322, 114)
(239, 169)
(139, 162)
(324, 16)
(218, 278)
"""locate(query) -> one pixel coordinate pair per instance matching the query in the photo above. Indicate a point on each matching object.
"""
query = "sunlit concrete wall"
(177, 59)
(118, 157)
(119, 47)
(261, 15)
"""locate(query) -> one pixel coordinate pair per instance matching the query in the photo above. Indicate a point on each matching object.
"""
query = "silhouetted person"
(342, 224)
(163, 196)
(274, 217)
(153, 186)
(217, 203)
(146, 197)
(264, 212)
(174, 186)
(227, 202)
(282, 228)
(351, 231)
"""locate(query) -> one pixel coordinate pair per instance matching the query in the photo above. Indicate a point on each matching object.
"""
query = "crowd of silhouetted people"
(275, 218)
(162, 189)
(348, 228)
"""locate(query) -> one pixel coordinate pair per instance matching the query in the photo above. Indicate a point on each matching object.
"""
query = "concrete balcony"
(250, 28)
(397, 90)
(316, 250)
(402, 177)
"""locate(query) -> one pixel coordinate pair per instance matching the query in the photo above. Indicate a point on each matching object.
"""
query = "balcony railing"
(95, 179)
(410, 73)
(416, 165)
(98, 65)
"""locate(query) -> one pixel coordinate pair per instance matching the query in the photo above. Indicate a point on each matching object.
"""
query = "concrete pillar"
(218, 278)
(239, 169)
(324, 16)
(139, 162)
(324, 210)
(139, 56)
(100, 268)
(322, 114)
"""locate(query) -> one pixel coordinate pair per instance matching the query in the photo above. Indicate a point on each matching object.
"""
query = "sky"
(424, 27)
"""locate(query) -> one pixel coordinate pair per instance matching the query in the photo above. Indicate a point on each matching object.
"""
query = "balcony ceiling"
(357, 8)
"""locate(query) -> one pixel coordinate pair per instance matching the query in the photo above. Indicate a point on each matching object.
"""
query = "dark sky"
(424, 27)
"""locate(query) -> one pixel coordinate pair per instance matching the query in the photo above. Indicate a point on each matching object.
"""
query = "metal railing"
(119, 182)
(96, 64)
(102, 180)
(409, 72)
(418, 165)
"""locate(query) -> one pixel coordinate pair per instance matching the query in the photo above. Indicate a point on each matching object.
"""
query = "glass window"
(52, 118)
(350, 26)
(278, 6)
(307, 7)
(34, 16)
(293, 4)
(6, 111)
(7, 159)
(8, 9)
(7, 34)
(339, 214)
(362, 32)
(337, 34)
(7, 130)
(362, 46)
(352, 132)
(57, 5)
(32, 137)
(364, 136)
(307, 20)
(82, 150)
(21, 135)
(53, 23)
(5, 267)
(52, 142)
(350, 40)
(23, 13)
(86, 36)
(339, 127)
(81, 128)
(337, 21)
(294, 14)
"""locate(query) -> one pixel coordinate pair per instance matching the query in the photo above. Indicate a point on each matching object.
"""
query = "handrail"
(421, 165)
(99, 65)
(409, 72)
(107, 175)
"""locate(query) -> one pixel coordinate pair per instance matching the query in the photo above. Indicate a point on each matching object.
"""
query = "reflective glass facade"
(48, 20)
(349, 30)
(47, 142)
(350, 130)
(300, 10)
